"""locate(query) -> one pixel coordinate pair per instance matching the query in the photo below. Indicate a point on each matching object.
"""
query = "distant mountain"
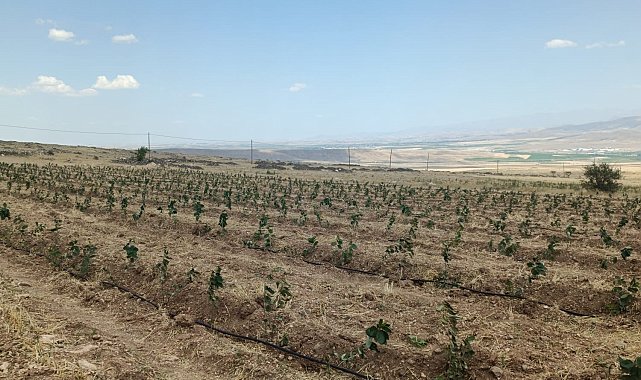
(612, 137)
(621, 134)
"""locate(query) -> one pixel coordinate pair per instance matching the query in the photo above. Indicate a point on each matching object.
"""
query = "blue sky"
(288, 70)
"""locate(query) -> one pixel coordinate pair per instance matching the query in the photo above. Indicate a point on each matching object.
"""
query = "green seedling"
(131, 250)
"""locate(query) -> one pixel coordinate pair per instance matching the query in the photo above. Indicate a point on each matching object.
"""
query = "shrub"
(141, 153)
(601, 177)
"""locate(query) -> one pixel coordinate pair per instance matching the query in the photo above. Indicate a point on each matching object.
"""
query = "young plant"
(346, 254)
(625, 295)
(222, 220)
(55, 257)
(376, 334)
(265, 234)
(537, 268)
(622, 223)
(630, 370)
(458, 353)
(131, 250)
(313, 245)
(138, 215)
(198, 208)
(192, 274)
(4, 212)
(626, 252)
(390, 222)
(57, 225)
(162, 266)
(215, 283)
(525, 228)
(569, 231)
(276, 298)
(227, 196)
(606, 238)
(124, 203)
(507, 247)
(171, 208)
(499, 224)
(354, 219)
(302, 219)
(88, 253)
(417, 342)
(403, 245)
(74, 249)
(551, 252)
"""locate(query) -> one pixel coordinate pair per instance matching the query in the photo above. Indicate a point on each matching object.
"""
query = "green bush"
(141, 153)
(601, 177)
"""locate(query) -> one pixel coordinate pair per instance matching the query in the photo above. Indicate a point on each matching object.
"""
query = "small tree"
(141, 153)
(601, 177)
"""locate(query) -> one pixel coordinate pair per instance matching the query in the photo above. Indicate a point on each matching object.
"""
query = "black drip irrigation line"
(488, 293)
(211, 327)
(286, 350)
(421, 281)
(416, 281)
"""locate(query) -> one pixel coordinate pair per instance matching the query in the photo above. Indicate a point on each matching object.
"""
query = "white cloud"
(60, 35)
(196, 95)
(82, 42)
(53, 85)
(42, 21)
(12, 91)
(124, 39)
(120, 82)
(598, 45)
(558, 43)
(297, 87)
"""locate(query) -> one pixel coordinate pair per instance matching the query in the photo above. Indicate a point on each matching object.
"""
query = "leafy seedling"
(131, 250)
(630, 370)
(215, 283)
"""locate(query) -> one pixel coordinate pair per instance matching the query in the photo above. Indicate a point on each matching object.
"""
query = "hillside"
(613, 141)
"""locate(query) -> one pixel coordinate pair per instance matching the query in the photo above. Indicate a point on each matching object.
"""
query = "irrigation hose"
(416, 281)
(420, 281)
(211, 327)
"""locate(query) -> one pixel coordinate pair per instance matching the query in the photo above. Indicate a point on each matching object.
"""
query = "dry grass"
(23, 333)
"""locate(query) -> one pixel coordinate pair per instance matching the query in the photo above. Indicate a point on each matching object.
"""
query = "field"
(197, 268)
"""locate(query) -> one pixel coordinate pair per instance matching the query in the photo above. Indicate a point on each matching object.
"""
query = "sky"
(293, 70)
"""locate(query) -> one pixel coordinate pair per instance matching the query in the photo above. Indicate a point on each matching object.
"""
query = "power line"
(69, 131)
(198, 139)
(118, 133)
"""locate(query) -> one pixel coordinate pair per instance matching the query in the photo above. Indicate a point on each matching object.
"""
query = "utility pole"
(251, 152)
(427, 163)
(390, 158)
(349, 158)
(149, 144)
(497, 166)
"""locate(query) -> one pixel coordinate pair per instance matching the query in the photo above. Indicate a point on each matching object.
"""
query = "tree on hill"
(141, 153)
(601, 177)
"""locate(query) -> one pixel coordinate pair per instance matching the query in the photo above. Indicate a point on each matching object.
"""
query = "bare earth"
(60, 321)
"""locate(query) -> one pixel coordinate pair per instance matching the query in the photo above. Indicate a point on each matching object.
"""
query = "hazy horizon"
(297, 71)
